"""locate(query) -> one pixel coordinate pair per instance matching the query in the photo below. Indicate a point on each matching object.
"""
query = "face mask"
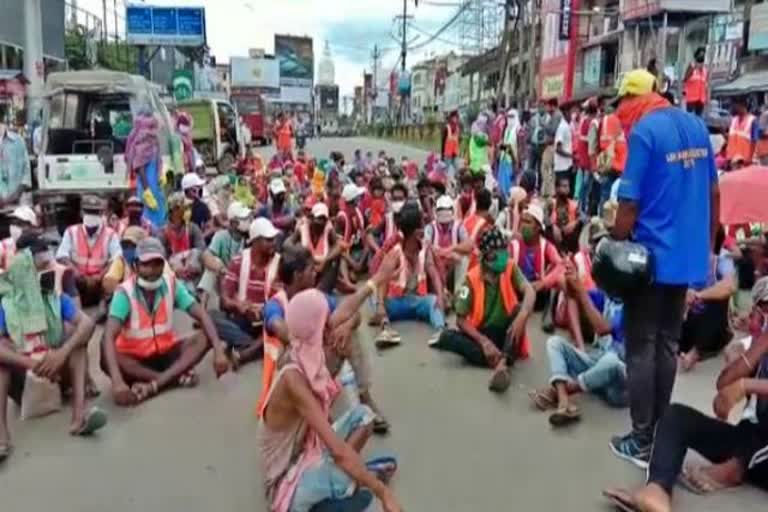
(16, 232)
(499, 263)
(444, 216)
(397, 206)
(47, 281)
(150, 285)
(129, 255)
(91, 220)
(527, 233)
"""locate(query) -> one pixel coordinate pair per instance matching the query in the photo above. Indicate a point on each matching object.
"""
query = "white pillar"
(33, 56)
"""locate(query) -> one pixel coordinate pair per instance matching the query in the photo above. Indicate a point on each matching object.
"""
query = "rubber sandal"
(622, 500)
(380, 425)
(189, 379)
(95, 420)
(384, 467)
(387, 338)
(565, 416)
(695, 480)
(500, 381)
(544, 401)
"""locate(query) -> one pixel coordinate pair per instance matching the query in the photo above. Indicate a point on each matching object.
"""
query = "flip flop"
(543, 400)
(380, 425)
(387, 338)
(565, 416)
(144, 390)
(95, 420)
(622, 500)
(384, 467)
(695, 480)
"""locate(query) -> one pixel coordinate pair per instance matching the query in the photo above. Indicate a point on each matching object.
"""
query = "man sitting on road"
(450, 244)
(42, 332)
(491, 317)
(141, 351)
(22, 218)
(407, 297)
(599, 370)
(183, 241)
(248, 283)
(278, 209)
(88, 248)
(134, 216)
(326, 248)
(350, 224)
(225, 245)
(121, 267)
(386, 227)
(565, 216)
(192, 188)
(478, 221)
(465, 203)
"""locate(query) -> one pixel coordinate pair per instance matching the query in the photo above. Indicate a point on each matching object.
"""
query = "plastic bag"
(41, 396)
(620, 267)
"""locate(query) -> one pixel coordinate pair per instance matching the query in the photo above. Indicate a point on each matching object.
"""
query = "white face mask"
(15, 232)
(444, 216)
(91, 220)
(397, 206)
(150, 285)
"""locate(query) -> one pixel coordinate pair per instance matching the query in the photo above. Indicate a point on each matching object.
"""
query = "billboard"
(558, 56)
(183, 84)
(248, 72)
(297, 60)
(175, 26)
(328, 97)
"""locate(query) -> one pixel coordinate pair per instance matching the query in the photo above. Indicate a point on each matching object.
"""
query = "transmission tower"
(480, 26)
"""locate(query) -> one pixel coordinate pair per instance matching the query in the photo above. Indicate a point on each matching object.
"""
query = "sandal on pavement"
(95, 420)
(387, 338)
(697, 481)
(622, 500)
(188, 379)
(380, 425)
(564, 416)
(500, 380)
(544, 400)
(145, 390)
(384, 467)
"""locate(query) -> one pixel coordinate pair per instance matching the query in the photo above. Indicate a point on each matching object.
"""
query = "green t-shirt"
(494, 314)
(224, 247)
(121, 305)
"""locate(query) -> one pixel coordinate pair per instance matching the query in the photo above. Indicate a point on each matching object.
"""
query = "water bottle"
(349, 384)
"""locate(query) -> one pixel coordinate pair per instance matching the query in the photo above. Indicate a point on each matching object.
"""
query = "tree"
(75, 48)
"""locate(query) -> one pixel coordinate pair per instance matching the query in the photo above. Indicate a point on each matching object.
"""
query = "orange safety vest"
(573, 207)
(442, 241)
(351, 233)
(90, 260)
(245, 276)
(696, 86)
(611, 133)
(397, 286)
(284, 135)
(273, 347)
(320, 250)
(474, 225)
(7, 252)
(147, 334)
(740, 139)
(451, 143)
(460, 216)
(508, 296)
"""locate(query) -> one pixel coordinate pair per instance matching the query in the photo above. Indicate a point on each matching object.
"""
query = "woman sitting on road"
(739, 453)
(308, 461)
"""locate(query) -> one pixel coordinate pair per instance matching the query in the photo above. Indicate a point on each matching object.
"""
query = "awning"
(754, 81)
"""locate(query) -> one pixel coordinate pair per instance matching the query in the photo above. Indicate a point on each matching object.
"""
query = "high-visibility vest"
(539, 258)
(445, 239)
(611, 132)
(582, 143)
(7, 252)
(352, 225)
(284, 135)
(696, 85)
(90, 260)
(508, 297)
(397, 286)
(320, 249)
(740, 138)
(474, 224)
(451, 142)
(273, 347)
(147, 334)
(573, 208)
(245, 276)
(583, 262)
(178, 242)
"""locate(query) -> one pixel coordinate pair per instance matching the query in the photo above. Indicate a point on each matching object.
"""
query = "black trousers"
(459, 343)
(653, 318)
(695, 108)
(708, 330)
(683, 428)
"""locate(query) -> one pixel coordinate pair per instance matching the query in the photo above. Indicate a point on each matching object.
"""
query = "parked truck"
(251, 107)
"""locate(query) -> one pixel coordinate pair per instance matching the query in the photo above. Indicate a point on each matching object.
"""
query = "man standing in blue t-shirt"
(668, 202)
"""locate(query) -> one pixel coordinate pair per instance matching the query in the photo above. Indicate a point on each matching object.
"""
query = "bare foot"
(688, 361)
(653, 498)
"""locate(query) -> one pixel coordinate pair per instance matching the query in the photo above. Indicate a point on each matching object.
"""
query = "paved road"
(461, 448)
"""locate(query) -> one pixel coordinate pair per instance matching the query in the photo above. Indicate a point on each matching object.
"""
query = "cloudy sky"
(352, 27)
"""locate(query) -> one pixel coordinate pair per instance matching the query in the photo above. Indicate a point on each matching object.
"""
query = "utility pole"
(375, 85)
(34, 66)
(404, 47)
(104, 21)
(532, 49)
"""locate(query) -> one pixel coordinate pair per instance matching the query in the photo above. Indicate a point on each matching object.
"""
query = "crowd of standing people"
(276, 261)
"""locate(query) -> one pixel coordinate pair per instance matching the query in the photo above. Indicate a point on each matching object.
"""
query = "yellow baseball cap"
(637, 82)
